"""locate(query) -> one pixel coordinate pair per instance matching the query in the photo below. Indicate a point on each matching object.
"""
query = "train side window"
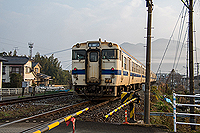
(125, 63)
(132, 67)
(122, 61)
(120, 54)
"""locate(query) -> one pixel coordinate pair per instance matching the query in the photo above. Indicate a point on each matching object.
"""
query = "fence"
(187, 114)
(16, 91)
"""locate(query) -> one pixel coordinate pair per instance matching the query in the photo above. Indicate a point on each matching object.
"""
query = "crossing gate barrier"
(127, 98)
(56, 123)
(186, 114)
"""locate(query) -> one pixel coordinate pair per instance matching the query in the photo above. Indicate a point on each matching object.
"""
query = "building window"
(36, 69)
(4, 70)
(27, 69)
(15, 70)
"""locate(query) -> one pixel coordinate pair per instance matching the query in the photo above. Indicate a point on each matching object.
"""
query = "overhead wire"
(183, 43)
(169, 41)
(58, 51)
(179, 36)
(22, 43)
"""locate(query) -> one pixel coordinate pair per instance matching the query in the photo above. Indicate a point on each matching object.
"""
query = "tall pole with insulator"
(149, 4)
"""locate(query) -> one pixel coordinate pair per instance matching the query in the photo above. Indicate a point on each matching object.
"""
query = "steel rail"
(18, 100)
(44, 127)
(46, 113)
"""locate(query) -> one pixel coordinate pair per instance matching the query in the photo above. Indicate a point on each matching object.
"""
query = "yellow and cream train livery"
(105, 69)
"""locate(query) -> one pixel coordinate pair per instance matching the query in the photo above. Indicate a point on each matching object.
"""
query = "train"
(101, 68)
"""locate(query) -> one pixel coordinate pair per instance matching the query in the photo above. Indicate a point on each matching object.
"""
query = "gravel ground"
(22, 110)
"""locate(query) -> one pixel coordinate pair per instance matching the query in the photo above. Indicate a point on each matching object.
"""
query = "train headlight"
(78, 45)
(112, 68)
(110, 44)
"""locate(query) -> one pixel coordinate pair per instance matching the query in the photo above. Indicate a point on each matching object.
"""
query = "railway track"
(58, 114)
(26, 99)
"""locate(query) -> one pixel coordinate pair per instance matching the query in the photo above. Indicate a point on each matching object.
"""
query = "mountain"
(157, 51)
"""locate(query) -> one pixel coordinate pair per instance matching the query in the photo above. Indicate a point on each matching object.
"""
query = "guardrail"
(186, 114)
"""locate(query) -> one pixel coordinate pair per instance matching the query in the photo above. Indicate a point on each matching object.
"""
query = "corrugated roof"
(15, 60)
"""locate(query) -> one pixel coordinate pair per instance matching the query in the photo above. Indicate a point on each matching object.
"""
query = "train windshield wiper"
(107, 58)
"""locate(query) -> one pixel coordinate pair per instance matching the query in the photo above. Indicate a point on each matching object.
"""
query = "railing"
(12, 91)
(16, 91)
(187, 114)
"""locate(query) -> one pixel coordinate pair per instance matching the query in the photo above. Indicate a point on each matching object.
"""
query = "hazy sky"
(54, 25)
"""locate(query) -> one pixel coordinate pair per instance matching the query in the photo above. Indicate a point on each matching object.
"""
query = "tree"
(3, 54)
(16, 80)
(15, 53)
(52, 66)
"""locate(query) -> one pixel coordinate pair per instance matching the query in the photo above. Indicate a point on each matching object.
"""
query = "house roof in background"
(15, 60)
(2, 59)
(35, 63)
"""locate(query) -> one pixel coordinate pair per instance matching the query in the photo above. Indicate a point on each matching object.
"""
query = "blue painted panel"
(80, 72)
(108, 72)
(125, 73)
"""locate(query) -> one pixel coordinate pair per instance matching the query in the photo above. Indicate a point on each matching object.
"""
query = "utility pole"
(198, 75)
(191, 62)
(187, 86)
(149, 4)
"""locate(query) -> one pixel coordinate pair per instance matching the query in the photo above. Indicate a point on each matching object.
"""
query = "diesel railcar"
(101, 68)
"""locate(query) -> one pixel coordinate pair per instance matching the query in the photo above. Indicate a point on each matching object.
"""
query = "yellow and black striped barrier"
(106, 116)
(125, 96)
(56, 123)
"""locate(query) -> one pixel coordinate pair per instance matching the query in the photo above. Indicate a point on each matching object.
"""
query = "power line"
(58, 51)
(181, 49)
(169, 41)
(21, 43)
(179, 37)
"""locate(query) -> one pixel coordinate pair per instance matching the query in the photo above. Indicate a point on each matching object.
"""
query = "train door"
(93, 67)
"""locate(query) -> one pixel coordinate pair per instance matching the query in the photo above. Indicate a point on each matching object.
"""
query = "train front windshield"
(110, 54)
(78, 54)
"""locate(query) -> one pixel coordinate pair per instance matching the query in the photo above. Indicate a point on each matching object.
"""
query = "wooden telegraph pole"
(149, 4)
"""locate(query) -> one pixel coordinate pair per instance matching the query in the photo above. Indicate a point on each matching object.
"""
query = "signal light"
(112, 68)
(75, 68)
